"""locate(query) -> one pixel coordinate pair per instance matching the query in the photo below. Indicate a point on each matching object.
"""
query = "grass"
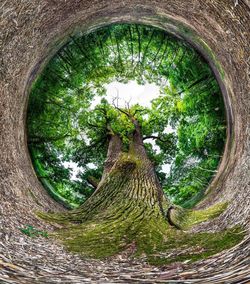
(33, 232)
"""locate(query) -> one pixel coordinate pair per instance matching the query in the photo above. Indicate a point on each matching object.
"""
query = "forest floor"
(27, 28)
(25, 259)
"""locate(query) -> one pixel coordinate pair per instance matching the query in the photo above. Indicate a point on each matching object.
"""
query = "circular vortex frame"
(172, 27)
(36, 33)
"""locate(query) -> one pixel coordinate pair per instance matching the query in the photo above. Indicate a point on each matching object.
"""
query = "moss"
(92, 240)
(150, 236)
(108, 230)
(193, 247)
(58, 218)
(131, 157)
(186, 218)
(101, 239)
(113, 231)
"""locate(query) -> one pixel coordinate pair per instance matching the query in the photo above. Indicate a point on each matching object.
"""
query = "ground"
(29, 28)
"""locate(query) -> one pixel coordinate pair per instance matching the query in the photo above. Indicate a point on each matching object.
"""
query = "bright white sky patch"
(166, 168)
(131, 93)
(169, 129)
(75, 169)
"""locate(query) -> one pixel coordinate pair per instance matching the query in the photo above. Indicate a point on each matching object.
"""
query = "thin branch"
(92, 125)
(138, 110)
(93, 181)
(123, 111)
(193, 84)
(116, 106)
(154, 137)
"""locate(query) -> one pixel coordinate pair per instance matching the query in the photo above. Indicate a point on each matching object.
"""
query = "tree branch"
(92, 125)
(154, 137)
(193, 84)
(93, 181)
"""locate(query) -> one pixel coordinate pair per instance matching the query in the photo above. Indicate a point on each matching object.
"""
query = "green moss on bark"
(128, 210)
(112, 234)
(152, 238)
(192, 247)
(186, 218)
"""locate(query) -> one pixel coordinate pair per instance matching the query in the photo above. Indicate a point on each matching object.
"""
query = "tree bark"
(128, 205)
(114, 151)
(128, 179)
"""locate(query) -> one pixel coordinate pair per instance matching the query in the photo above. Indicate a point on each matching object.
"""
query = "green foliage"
(184, 127)
(33, 232)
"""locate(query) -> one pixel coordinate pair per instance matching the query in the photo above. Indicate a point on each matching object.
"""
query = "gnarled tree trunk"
(128, 206)
(128, 183)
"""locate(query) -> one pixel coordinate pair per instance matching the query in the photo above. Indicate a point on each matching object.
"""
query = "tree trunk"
(127, 207)
(128, 178)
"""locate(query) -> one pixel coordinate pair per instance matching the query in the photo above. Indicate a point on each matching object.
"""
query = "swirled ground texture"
(31, 31)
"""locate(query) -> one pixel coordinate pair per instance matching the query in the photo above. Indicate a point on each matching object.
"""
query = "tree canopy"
(70, 117)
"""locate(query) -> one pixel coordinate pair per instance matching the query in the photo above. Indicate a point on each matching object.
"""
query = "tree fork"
(128, 204)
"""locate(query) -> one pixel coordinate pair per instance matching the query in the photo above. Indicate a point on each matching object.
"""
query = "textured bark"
(126, 209)
(114, 150)
(129, 180)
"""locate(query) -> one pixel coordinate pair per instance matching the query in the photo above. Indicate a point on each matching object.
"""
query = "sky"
(130, 92)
